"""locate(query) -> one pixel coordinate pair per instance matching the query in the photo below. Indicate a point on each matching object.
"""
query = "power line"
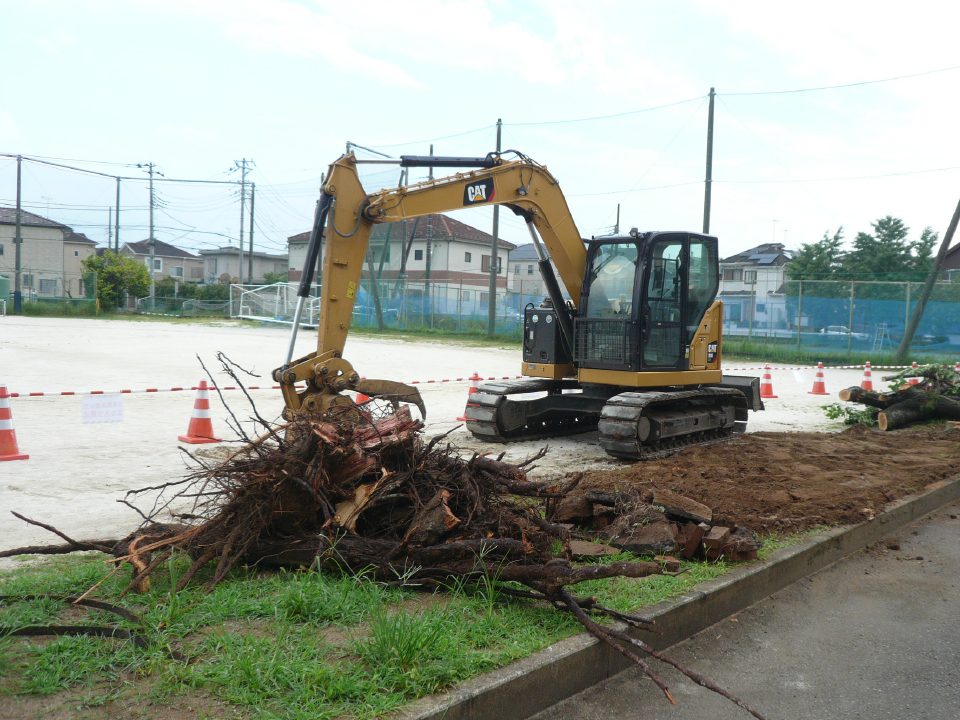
(842, 178)
(858, 83)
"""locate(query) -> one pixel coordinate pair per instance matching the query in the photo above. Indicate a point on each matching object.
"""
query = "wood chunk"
(613, 499)
(583, 550)
(692, 538)
(432, 521)
(669, 563)
(740, 545)
(573, 508)
(646, 531)
(716, 537)
(680, 507)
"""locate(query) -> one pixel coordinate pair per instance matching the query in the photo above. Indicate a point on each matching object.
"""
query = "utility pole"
(616, 228)
(243, 166)
(708, 182)
(110, 228)
(116, 229)
(492, 311)
(426, 275)
(253, 190)
(17, 242)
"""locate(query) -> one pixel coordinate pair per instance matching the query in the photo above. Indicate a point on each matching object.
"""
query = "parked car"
(843, 330)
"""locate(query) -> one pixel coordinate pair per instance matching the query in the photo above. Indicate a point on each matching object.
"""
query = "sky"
(610, 96)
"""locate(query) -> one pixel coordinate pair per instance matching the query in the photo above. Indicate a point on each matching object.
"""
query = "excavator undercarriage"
(630, 425)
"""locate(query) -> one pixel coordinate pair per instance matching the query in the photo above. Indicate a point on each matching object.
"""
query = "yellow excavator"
(630, 345)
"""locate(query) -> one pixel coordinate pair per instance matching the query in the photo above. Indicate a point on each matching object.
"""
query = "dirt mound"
(787, 482)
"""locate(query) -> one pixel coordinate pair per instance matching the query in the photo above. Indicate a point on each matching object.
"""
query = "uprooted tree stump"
(368, 494)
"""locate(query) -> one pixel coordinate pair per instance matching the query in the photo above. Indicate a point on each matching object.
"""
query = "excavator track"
(492, 415)
(649, 425)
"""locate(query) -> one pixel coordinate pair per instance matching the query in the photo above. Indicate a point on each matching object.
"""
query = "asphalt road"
(876, 636)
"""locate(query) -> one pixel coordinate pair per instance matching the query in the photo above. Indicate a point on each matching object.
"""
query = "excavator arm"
(345, 217)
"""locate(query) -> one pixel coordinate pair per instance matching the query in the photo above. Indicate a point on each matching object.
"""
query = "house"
(459, 254)
(523, 275)
(751, 284)
(168, 260)
(50, 257)
(223, 265)
(951, 264)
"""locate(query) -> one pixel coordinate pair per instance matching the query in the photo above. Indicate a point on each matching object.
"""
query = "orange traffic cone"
(474, 388)
(8, 436)
(913, 380)
(200, 429)
(766, 384)
(867, 382)
(819, 387)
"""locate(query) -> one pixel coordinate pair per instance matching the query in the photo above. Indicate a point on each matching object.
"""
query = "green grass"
(288, 644)
(776, 350)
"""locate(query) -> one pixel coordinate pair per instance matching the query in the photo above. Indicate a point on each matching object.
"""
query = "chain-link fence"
(846, 316)
(403, 305)
(183, 307)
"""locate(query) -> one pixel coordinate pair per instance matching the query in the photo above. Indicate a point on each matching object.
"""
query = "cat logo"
(478, 192)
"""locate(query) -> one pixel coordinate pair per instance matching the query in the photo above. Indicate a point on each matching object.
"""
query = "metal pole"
(243, 198)
(426, 275)
(492, 309)
(850, 326)
(708, 181)
(253, 189)
(17, 243)
(800, 312)
(116, 227)
(153, 243)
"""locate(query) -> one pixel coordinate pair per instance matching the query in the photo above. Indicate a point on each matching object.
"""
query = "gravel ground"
(76, 471)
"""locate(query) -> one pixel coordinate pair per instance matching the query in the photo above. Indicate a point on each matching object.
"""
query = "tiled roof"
(444, 228)
(8, 216)
(524, 252)
(232, 251)
(75, 237)
(142, 247)
(766, 254)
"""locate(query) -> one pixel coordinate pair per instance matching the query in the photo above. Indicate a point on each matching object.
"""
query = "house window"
(484, 298)
(485, 263)
(529, 269)
(48, 287)
(761, 307)
(733, 275)
(466, 295)
(516, 269)
(418, 254)
(76, 253)
(750, 277)
(467, 257)
(157, 264)
(176, 272)
(196, 272)
(1, 249)
(733, 312)
(27, 280)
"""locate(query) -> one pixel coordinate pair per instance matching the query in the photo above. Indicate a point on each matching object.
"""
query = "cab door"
(663, 304)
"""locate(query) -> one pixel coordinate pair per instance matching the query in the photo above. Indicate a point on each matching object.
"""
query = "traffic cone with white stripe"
(8, 436)
(819, 387)
(867, 382)
(913, 380)
(200, 429)
(766, 384)
(474, 388)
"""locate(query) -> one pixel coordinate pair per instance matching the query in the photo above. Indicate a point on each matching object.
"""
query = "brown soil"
(789, 482)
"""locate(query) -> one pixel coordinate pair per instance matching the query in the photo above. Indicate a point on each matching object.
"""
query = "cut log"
(679, 507)
(583, 550)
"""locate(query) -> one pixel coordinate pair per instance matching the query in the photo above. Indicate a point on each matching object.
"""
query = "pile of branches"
(934, 395)
(359, 489)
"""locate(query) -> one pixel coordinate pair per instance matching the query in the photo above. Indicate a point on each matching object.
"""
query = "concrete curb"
(530, 685)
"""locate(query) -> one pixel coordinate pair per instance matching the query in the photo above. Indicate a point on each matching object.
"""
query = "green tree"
(822, 260)
(269, 278)
(117, 275)
(887, 254)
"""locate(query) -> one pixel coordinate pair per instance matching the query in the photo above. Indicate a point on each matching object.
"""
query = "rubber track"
(484, 406)
(617, 429)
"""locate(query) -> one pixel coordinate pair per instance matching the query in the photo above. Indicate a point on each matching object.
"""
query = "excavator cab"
(643, 298)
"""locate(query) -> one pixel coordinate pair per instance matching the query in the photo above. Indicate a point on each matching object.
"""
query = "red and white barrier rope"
(190, 388)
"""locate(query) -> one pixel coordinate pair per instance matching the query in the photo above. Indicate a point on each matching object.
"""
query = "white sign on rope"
(101, 408)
